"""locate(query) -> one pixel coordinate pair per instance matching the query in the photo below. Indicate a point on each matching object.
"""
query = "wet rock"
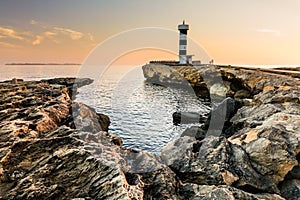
(188, 117)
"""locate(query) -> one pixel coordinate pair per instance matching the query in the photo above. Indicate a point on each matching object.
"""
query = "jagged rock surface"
(262, 153)
(54, 148)
(194, 191)
(205, 80)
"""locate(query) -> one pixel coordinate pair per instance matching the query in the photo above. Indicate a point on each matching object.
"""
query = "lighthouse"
(183, 58)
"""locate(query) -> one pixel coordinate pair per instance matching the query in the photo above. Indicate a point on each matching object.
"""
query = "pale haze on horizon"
(257, 32)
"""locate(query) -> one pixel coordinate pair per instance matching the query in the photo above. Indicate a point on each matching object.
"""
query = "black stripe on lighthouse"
(182, 52)
(182, 42)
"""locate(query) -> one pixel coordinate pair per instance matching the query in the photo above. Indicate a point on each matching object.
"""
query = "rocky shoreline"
(257, 149)
(55, 148)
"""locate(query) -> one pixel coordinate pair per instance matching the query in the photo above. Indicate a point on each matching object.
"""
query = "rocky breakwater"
(206, 81)
(54, 148)
(259, 158)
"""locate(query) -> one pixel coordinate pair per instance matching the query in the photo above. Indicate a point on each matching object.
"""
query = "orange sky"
(231, 32)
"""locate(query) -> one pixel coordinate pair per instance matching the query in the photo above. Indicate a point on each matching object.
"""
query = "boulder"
(188, 117)
(87, 119)
(218, 89)
(56, 167)
(52, 148)
(215, 161)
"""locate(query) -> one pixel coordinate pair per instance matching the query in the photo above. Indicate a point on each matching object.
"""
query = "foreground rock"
(54, 148)
(255, 148)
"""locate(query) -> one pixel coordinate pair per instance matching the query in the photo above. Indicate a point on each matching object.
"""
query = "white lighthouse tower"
(183, 58)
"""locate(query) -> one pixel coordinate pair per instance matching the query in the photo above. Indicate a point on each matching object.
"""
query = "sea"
(140, 113)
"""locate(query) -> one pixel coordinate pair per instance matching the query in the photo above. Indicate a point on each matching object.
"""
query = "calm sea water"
(141, 113)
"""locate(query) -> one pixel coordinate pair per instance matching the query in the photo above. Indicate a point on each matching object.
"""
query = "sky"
(256, 32)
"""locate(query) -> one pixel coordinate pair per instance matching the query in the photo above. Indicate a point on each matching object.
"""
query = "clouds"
(50, 34)
(55, 35)
(269, 31)
(10, 34)
(38, 40)
(32, 22)
(6, 44)
(40, 34)
(74, 35)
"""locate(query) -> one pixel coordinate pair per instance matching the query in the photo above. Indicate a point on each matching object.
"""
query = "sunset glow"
(232, 32)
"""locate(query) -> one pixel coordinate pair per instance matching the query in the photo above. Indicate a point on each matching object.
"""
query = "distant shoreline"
(42, 64)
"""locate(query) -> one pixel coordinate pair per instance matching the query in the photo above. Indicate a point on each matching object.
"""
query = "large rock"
(188, 117)
(87, 119)
(59, 168)
(260, 156)
(53, 148)
(143, 171)
(268, 129)
(41, 155)
(219, 89)
(215, 161)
